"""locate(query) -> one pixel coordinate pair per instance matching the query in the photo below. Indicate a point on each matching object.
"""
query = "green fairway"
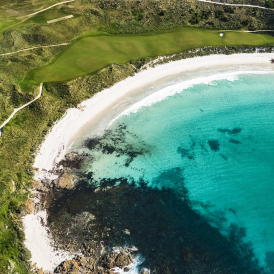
(93, 53)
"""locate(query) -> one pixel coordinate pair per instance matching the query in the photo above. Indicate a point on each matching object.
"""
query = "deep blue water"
(193, 177)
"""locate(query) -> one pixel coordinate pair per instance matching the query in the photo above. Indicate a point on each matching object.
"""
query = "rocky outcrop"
(69, 266)
(113, 259)
(91, 263)
(144, 271)
(73, 160)
(94, 258)
(66, 181)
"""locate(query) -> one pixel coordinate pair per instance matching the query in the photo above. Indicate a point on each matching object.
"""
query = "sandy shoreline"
(77, 120)
(39, 242)
(65, 131)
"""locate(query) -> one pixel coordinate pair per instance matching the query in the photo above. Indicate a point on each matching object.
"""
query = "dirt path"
(17, 109)
(60, 3)
(9, 53)
(60, 19)
(236, 5)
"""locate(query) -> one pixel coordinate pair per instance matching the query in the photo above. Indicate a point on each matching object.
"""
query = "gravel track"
(17, 109)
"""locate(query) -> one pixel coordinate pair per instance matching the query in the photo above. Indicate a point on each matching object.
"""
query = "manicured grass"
(91, 54)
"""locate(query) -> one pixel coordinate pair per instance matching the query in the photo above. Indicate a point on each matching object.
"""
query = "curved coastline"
(77, 120)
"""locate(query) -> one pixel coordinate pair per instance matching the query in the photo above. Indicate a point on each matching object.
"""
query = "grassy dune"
(93, 53)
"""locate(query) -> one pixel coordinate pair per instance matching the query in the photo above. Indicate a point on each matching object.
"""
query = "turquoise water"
(219, 138)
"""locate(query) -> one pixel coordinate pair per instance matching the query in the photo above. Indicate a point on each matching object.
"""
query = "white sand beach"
(39, 242)
(76, 120)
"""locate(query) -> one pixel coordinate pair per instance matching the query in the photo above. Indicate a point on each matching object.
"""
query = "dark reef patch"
(170, 235)
(185, 153)
(269, 258)
(233, 131)
(214, 145)
(223, 156)
(73, 160)
(118, 141)
(234, 141)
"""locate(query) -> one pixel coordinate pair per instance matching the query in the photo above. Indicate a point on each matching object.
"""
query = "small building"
(222, 34)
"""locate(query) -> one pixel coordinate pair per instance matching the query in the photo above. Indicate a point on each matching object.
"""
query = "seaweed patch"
(233, 131)
(185, 153)
(118, 141)
(214, 145)
(234, 141)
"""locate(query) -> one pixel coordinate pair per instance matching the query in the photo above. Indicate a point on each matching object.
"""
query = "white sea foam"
(179, 87)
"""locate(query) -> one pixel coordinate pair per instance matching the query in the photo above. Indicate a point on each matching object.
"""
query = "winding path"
(17, 109)
(4, 54)
(236, 5)
(32, 14)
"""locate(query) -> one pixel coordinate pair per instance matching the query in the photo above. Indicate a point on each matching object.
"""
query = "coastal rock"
(83, 219)
(109, 260)
(126, 231)
(88, 264)
(46, 182)
(112, 260)
(69, 267)
(41, 187)
(92, 263)
(65, 181)
(72, 160)
(144, 271)
(123, 259)
(101, 270)
(132, 249)
(29, 207)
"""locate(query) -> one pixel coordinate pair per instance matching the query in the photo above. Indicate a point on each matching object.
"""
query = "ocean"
(187, 174)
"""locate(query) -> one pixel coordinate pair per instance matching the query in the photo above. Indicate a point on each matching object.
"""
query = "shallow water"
(193, 177)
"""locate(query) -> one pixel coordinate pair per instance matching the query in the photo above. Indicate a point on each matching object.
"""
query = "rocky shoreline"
(93, 219)
(91, 256)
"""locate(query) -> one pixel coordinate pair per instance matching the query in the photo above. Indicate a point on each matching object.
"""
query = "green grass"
(2, 187)
(6, 24)
(91, 54)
